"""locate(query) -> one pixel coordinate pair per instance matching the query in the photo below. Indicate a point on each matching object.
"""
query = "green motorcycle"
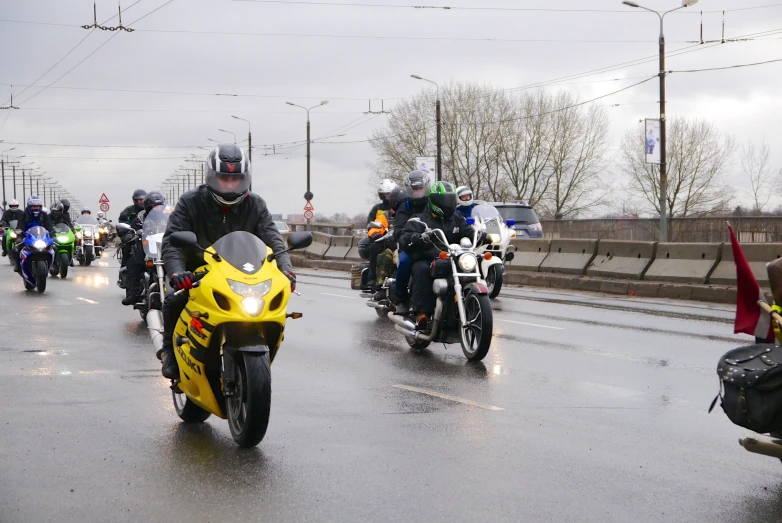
(11, 234)
(64, 245)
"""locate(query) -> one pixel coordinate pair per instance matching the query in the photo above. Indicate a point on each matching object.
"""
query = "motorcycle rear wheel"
(64, 263)
(41, 272)
(188, 411)
(476, 335)
(248, 410)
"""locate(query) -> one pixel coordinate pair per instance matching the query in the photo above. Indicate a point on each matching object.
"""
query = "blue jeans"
(403, 270)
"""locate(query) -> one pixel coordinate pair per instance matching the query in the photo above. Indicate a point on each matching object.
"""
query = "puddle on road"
(91, 280)
(47, 352)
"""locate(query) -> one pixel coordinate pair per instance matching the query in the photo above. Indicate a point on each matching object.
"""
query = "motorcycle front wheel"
(187, 410)
(41, 272)
(477, 333)
(64, 263)
(494, 280)
(248, 409)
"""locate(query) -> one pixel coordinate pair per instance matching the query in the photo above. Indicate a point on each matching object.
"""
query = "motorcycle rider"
(33, 217)
(221, 206)
(466, 202)
(417, 187)
(442, 215)
(12, 213)
(126, 216)
(135, 261)
(58, 215)
(380, 209)
(86, 211)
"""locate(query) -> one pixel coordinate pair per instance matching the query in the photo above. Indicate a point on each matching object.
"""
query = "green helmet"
(442, 199)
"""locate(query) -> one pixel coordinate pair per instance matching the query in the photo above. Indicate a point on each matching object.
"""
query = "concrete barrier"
(352, 254)
(622, 259)
(569, 256)
(320, 245)
(684, 262)
(529, 254)
(757, 254)
(340, 247)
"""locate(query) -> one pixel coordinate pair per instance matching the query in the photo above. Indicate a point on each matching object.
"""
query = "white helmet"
(464, 196)
(101, 215)
(13, 203)
(385, 188)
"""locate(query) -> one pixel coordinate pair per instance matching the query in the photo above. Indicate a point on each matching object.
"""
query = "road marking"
(88, 301)
(447, 397)
(338, 295)
(533, 325)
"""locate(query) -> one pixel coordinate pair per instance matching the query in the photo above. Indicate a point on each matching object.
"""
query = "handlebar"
(197, 277)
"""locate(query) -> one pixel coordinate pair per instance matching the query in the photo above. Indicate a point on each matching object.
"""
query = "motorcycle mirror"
(299, 240)
(510, 223)
(122, 228)
(182, 239)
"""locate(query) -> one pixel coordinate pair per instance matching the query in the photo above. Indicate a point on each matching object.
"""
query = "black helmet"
(228, 174)
(66, 205)
(152, 200)
(442, 199)
(57, 208)
(398, 195)
(417, 185)
(138, 197)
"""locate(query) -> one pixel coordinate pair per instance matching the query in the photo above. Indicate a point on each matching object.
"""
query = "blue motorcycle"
(36, 257)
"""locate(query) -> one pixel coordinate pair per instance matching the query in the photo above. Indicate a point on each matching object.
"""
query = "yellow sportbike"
(229, 332)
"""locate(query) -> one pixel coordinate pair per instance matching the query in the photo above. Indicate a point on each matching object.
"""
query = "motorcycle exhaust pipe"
(762, 444)
(155, 325)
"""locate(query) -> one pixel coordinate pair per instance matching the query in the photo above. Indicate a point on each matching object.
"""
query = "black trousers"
(422, 295)
(375, 249)
(172, 308)
(127, 251)
(135, 271)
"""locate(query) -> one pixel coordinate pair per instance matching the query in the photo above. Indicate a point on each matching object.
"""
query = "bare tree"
(757, 169)
(578, 159)
(698, 156)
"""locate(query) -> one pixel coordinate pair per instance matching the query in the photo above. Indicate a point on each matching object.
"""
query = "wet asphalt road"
(589, 408)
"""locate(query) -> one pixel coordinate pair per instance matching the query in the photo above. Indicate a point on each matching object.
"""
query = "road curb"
(644, 289)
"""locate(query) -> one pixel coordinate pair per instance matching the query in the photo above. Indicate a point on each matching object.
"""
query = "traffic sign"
(308, 215)
(308, 206)
(104, 207)
(103, 198)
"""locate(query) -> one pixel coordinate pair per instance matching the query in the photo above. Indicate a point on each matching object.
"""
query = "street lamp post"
(249, 143)
(229, 132)
(438, 122)
(2, 171)
(663, 138)
(308, 195)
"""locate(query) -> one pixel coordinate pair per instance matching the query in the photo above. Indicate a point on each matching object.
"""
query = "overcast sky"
(194, 46)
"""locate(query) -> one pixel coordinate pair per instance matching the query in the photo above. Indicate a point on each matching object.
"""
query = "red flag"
(750, 319)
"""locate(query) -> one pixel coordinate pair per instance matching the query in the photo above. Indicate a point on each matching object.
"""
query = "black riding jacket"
(14, 214)
(129, 213)
(455, 228)
(383, 207)
(61, 218)
(197, 211)
(407, 209)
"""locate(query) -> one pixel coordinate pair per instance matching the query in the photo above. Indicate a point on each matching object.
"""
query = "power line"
(738, 66)
(482, 8)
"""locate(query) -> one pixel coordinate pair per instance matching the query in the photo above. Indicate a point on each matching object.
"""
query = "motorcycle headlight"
(253, 295)
(495, 238)
(252, 306)
(62, 239)
(12, 235)
(78, 235)
(87, 234)
(97, 234)
(39, 244)
(467, 262)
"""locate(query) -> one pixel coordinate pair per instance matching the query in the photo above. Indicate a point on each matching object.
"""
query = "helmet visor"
(417, 193)
(466, 197)
(13, 207)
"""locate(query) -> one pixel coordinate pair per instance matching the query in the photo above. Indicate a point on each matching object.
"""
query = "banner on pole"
(428, 165)
(652, 140)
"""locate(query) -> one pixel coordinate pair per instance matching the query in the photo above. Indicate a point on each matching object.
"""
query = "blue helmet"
(34, 205)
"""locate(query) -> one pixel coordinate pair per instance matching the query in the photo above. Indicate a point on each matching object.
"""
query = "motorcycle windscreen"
(489, 216)
(13, 225)
(87, 219)
(61, 228)
(153, 230)
(243, 250)
(35, 233)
